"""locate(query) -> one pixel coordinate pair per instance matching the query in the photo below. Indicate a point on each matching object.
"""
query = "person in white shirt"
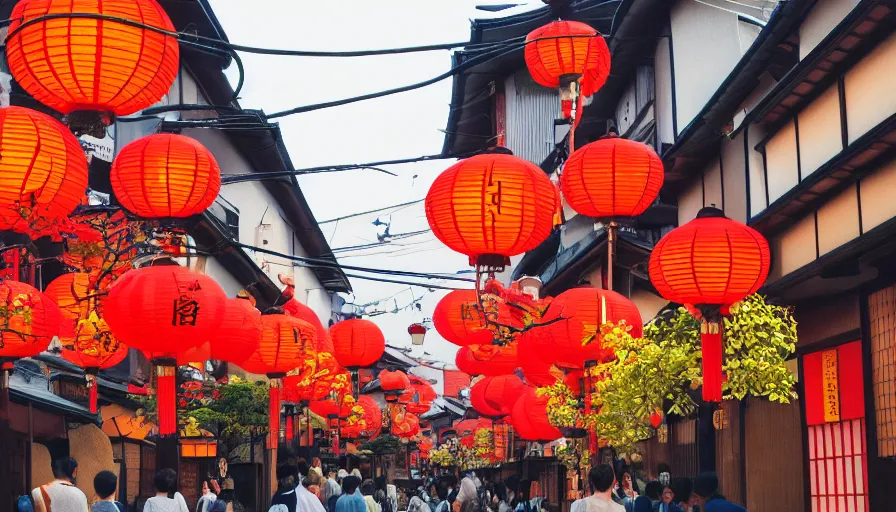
(208, 497)
(61, 495)
(167, 499)
(602, 479)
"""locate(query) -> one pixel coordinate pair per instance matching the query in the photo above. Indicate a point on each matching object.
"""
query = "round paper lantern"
(488, 360)
(301, 311)
(357, 343)
(43, 172)
(370, 423)
(480, 404)
(495, 396)
(28, 320)
(530, 418)
(165, 175)
(458, 319)
(575, 317)
(240, 333)
(74, 64)
(491, 207)
(405, 424)
(286, 344)
(567, 49)
(612, 177)
(710, 262)
(535, 366)
(418, 399)
(328, 408)
(394, 382)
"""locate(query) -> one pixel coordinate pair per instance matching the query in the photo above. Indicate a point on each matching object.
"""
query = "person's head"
(442, 490)
(350, 484)
(286, 475)
(65, 468)
(653, 490)
(301, 468)
(315, 462)
(608, 456)
(706, 485)
(625, 478)
(668, 494)
(501, 492)
(682, 488)
(331, 472)
(165, 481)
(433, 490)
(368, 487)
(104, 484)
(601, 478)
(525, 485)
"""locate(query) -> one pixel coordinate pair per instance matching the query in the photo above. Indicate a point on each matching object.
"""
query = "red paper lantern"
(495, 396)
(575, 317)
(372, 420)
(530, 418)
(567, 49)
(286, 344)
(612, 177)
(80, 63)
(43, 172)
(85, 338)
(28, 321)
(405, 424)
(536, 369)
(419, 397)
(327, 408)
(301, 311)
(709, 263)
(492, 206)
(478, 401)
(394, 382)
(164, 311)
(458, 319)
(240, 333)
(165, 175)
(357, 343)
(656, 418)
(488, 360)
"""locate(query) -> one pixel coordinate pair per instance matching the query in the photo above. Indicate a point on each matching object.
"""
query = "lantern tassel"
(166, 398)
(289, 426)
(711, 344)
(274, 414)
(93, 388)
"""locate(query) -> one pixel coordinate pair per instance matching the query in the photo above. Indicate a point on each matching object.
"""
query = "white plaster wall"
(648, 304)
(690, 201)
(626, 109)
(877, 189)
(576, 229)
(823, 17)
(820, 137)
(216, 271)
(662, 74)
(712, 185)
(734, 178)
(838, 221)
(871, 89)
(793, 248)
(746, 34)
(781, 159)
(706, 46)
(766, 83)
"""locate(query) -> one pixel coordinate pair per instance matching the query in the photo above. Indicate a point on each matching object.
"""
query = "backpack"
(23, 504)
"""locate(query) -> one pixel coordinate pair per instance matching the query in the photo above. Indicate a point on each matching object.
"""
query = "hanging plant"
(563, 408)
(441, 456)
(482, 441)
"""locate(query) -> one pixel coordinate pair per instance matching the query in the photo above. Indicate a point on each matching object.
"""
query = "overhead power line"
(337, 219)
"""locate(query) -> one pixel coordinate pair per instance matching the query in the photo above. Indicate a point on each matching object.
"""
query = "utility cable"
(320, 263)
(337, 219)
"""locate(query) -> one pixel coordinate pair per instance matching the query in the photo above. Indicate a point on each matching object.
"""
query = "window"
(837, 467)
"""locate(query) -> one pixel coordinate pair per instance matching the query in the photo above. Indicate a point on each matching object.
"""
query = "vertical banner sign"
(830, 386)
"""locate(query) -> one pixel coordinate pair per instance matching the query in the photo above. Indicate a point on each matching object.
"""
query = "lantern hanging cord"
(320, 263)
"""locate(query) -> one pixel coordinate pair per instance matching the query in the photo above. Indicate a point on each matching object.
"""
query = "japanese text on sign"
(830, 381)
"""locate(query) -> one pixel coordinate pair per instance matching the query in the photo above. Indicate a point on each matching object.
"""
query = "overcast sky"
(398, 126)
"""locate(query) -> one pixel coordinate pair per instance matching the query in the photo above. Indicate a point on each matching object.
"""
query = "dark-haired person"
(602, 479)
(167, 499)
(653, 494)
(306, 501)
(625, 488)
(706, 486)
(667, 504)
(285, 497)
(351, 499)
(104, 485)
(61, 495)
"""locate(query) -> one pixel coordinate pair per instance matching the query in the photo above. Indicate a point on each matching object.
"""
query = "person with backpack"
(105, 483)
(61, 495)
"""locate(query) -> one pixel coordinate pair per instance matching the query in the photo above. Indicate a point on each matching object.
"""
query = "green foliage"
(656, 372)
(241, 408)
(758, 338)
(382, 445)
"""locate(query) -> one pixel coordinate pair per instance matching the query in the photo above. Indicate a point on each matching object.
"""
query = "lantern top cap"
(711, 212)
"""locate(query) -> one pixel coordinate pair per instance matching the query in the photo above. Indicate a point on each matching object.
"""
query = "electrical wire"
(337, 219)
(320, 263)
(395, 281)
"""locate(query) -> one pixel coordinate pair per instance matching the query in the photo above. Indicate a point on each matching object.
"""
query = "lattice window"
(837, 467)
(882, 314)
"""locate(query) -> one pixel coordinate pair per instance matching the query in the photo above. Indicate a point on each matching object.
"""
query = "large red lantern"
(287, 344)
(43, 172)
(529, 418)
(495, 396)
(570, 334)
(165, 175)
(92, 64)
(535, 366)
(405, 424)
(299, 310)
(710, 263)
(491, 207)
(564, 49)
(28, 321)
(368, 425)
(357, 343)
(418, 399)
(240, 332)
(394, 382)
(164, 311)
(458, 319)
(488, 360)
(85, 338)
(612, 177)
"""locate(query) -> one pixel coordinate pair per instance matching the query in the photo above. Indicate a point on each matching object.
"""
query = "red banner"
(833, 380)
